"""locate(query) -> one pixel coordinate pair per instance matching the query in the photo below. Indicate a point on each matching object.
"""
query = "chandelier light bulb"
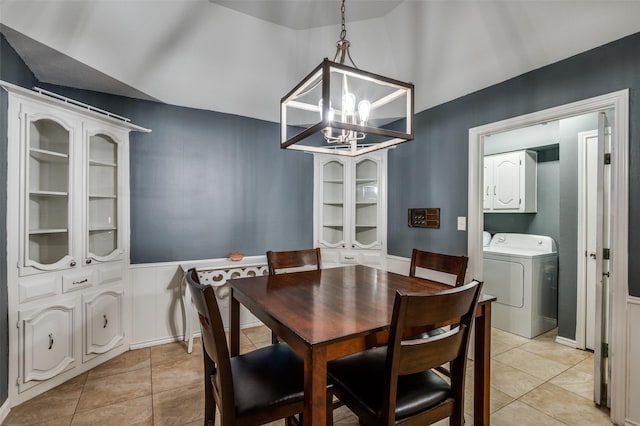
(364, 109)
(349, 103)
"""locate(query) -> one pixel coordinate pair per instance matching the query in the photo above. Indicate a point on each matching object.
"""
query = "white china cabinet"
(350, 208)
(510, 182)
(67, 238)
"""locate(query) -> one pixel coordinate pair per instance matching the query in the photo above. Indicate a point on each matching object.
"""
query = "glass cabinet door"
(47, 206)
(333, 203)
(102, 198)
(366, 204)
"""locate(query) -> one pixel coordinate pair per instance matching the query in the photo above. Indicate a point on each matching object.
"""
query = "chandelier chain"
(343, 32)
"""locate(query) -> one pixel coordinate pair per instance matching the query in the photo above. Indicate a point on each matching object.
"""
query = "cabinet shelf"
(48, 194)
(366, 203)
(102, 196)
(340, 181)
(48, 156)
(47, 231)
(333, 203)
(102, 163)
(358, 225)
(366, 180)
(332, 225)
(102, 228)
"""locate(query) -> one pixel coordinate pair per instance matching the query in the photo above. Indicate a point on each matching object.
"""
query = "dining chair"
(255, 388)
(439, 262)
(396, 383)
(281, 261)
(292, 261)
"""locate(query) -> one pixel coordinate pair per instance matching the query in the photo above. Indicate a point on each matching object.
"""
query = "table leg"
(315, 388)
(482, 367)
(234, 325)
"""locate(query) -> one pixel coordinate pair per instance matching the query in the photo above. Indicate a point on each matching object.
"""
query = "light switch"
(462, 223)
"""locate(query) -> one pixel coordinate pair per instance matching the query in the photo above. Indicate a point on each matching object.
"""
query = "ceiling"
(242, 56)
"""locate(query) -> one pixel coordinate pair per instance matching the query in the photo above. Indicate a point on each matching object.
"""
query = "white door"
(487, 196)
(506, 175)
(589, 189)
(601, 326)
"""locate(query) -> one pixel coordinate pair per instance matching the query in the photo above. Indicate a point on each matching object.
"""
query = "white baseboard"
(566, 342)
(4, 410)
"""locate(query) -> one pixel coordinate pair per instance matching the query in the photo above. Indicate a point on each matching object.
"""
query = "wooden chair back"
(217, 362)
(455, 265)
(455, 307)
(279, 261)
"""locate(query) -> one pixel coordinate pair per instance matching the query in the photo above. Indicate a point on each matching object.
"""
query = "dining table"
(330, 313)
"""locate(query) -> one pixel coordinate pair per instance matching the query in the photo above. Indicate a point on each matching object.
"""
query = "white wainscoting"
(632, 416)
(157, 292)
(4, 410)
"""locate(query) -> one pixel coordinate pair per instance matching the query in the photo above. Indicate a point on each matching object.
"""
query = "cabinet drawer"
(33, 289)
(77, 280)
(349, 257)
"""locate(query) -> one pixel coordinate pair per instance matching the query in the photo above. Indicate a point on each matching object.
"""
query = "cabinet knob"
(88, 261)
(106, 321)
(73, 263)
(50, 340)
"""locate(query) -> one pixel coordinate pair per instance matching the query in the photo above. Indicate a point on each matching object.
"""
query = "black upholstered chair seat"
(363, 375)
(266, 378)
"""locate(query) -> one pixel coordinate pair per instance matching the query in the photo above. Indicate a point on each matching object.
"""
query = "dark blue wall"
(13, 70)
(432, 170)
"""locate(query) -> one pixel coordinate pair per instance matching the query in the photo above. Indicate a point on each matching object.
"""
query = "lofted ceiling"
(242, 56)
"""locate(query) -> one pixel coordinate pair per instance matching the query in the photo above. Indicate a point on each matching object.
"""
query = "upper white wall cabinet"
(67, 238)
(350, 208)
(510, 182)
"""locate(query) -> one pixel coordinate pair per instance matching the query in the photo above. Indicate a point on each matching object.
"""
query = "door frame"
(619, 102)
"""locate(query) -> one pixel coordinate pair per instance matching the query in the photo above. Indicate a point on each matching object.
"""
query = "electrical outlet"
(462, 223)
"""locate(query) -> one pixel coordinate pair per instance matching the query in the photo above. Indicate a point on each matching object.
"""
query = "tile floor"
(533, 382)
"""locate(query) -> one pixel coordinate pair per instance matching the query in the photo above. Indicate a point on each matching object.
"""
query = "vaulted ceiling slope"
(241, 57)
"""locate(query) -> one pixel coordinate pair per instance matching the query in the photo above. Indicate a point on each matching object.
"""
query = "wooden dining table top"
(323, 306)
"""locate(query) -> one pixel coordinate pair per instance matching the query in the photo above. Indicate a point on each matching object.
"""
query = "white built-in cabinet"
(350, 208)
(510, 182)
(67, 238)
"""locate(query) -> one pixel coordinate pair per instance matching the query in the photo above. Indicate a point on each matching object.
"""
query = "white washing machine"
(521, 270)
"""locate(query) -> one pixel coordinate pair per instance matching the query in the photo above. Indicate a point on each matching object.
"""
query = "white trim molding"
(632, 409)
(619, 102)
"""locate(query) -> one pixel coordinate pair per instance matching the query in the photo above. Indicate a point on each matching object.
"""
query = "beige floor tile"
(128, 361)
(56, 404)
(138, 411)
(184, 371)
(555, 352)
(518, 413)
(509, 338)
(531, 363)
(512, 381)
(587, 365)
(549, 336)
(258, 335)
(103, 391)
(575, 381)
(173, 351)
(501, 341)
(178, 406)
(566, 406)
(497, 399)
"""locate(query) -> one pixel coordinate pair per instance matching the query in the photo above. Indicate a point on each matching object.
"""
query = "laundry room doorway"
(611, 286)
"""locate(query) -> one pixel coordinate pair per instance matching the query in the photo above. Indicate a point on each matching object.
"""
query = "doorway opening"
(617, 287)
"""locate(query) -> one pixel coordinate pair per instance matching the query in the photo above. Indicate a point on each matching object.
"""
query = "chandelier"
(340, 109)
